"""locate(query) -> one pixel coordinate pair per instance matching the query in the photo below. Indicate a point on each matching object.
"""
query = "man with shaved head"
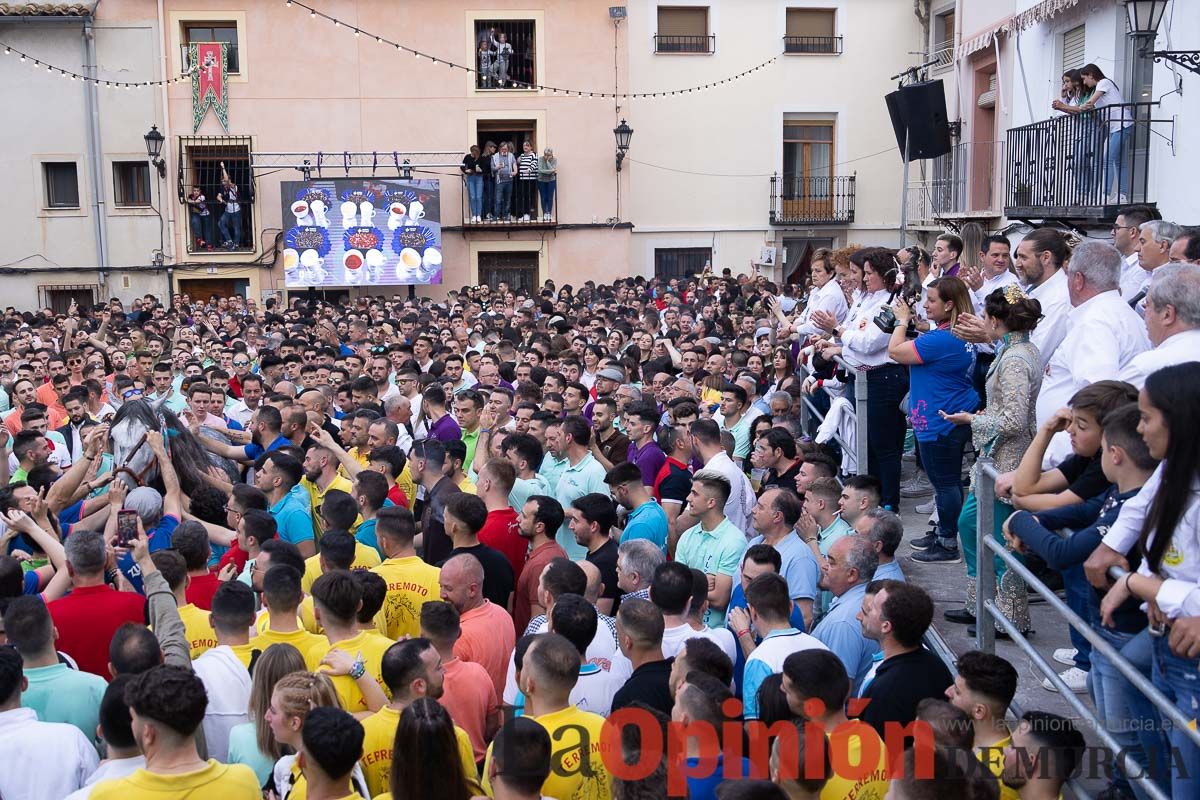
(487, 631)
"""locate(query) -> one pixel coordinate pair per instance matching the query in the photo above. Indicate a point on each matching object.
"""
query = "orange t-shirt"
(470, 697)
(488, 640)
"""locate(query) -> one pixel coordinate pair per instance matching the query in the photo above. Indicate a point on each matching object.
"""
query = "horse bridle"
(138, 477)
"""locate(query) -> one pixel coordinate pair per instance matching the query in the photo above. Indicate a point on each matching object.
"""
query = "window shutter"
(683, 21)
(810, 22)
(1073, 48)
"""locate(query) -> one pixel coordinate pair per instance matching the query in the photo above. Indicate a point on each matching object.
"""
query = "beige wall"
(716, 149)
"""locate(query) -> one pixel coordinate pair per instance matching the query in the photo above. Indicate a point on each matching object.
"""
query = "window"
(505, 54)
(808, 183)
(1071, 48)
(519, 269)
(943, 39)
(131, 183)
(683, 30)
(213, 32)
(59, 298)
(811, 30)
(200, 159)
(680, 262)
(62, 184)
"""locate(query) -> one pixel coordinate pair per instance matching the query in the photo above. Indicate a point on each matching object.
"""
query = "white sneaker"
(928, 507)
(1066, 655)
(1074, 678)
(525, 218)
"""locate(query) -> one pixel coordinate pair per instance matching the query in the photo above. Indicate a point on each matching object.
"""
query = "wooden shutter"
(1073, 48)
(677, 21)
(810, 22)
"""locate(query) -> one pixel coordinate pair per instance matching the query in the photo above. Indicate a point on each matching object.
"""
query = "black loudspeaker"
(919, 111)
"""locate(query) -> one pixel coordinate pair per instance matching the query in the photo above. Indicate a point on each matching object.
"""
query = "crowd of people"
(502, 186)
(501, 543)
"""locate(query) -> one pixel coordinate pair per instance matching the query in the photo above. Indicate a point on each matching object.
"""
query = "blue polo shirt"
(647, 521)
(841, 632)
(160, 539)
(253, 450)
(293, 515)
(737, 599)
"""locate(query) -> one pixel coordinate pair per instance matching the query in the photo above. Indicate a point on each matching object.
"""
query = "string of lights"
(360, 33)
(26, 58)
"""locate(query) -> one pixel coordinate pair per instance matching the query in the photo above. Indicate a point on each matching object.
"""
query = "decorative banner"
(210, 80)
(361, 232)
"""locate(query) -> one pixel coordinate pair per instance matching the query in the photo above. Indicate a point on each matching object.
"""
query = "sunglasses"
(128, 393)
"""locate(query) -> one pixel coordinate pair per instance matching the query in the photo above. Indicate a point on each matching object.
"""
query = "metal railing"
(524, 199)
(809, 200)
(986, 611)
(1079, 166)
(965, 181)
(823, 45)
(808, 410)
(685, 44)
(942, 56)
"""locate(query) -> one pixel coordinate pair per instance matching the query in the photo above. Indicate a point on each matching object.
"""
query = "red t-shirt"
(397, 496)
(234, 555)
(201, 589)
(501, 532)
(86, 620)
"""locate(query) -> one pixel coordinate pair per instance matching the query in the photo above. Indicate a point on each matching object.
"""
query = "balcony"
(524, 200)
(807, 200)
(813, 45)
(1076, 167)
(963, 184)
(685, 44)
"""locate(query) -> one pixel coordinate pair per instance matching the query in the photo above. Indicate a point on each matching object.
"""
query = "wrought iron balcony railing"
(685, 44)
(827, 45)
(808, 200)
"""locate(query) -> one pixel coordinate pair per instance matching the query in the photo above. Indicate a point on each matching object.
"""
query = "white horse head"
(133, 460)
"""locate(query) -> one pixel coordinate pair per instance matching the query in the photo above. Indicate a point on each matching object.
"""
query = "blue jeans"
(1117, 171)
(475, 194)
(1123, 720)
(886, 427)
(504, 191)
(199, 228)
(1082, 600)
(547, 189)
(230, 226)
(942, 458)
(1179, 679)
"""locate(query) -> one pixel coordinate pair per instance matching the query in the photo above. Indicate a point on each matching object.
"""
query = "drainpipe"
(91, 106)
(164, 66)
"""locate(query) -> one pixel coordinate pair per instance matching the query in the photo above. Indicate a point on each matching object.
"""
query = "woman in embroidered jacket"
(1003, 431)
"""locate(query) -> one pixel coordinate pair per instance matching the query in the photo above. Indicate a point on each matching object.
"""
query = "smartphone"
(127, 531)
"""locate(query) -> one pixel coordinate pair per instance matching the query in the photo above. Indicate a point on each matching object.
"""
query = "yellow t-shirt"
(245, 652)
(365, 557)
(361, 456)
(215, 782)
(872, 786)
(317, 497)
(407, 485)
(567, 781)
(379, 736)
(993, 757)
(372, 646)
(199, 631)
(411, 584)
(311, 646)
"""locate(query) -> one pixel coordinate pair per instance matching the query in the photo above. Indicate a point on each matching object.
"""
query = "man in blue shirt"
(775, 516)
(848, 569)
(646, 519)
(291, 506)
(759, 559)
(266, 436)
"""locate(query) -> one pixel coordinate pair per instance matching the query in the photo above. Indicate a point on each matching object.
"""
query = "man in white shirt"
(1103, 335)
(1153, 248)
(1039, 261)
(995, 274)
(1172, 322)
(1125, 238)
(706, 443)
(37, 759)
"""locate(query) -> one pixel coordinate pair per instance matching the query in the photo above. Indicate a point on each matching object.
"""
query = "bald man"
(487, 636)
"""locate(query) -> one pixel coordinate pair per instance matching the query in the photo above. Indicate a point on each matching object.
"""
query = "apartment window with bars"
(131, 183)
(518, 269)
(684, 29)
(59, 298)
(1071, 51)
(194, 32)
(62, 184)
(204, 163)
(812, 30)
(505, 54)
(680, 262)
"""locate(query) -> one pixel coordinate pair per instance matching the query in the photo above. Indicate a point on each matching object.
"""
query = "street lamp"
(623, 133)
(1143, 17)
(154, 143)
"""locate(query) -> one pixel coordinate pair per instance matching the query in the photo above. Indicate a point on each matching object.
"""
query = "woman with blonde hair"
(941, 379)
(252, 743)
(296, 694)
